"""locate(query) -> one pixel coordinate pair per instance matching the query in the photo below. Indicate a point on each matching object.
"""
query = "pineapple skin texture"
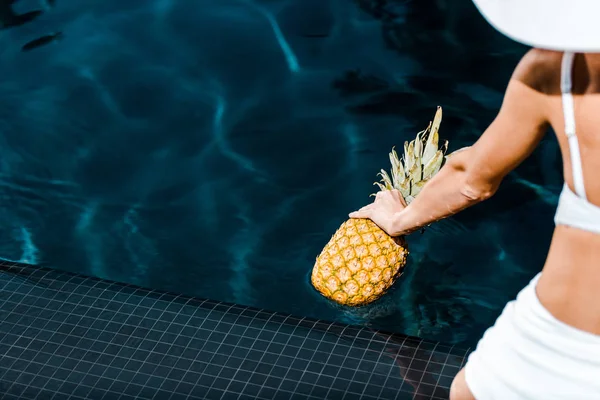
(359, 263)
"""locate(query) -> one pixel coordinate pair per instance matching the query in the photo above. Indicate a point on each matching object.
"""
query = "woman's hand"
(382, 210)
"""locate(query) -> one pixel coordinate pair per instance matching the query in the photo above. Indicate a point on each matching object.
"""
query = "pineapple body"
(359, 264)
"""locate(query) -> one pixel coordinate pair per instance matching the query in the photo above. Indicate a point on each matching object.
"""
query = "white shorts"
(529, 354)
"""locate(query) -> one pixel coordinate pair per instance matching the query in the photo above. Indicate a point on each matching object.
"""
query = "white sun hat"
(561, 25)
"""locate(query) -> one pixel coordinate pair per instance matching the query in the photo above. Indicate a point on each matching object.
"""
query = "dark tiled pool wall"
(65, 336)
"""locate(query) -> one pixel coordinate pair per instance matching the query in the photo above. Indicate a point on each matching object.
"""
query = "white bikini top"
(573, 208)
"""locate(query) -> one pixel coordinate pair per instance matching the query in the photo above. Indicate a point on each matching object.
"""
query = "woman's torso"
(570, 283)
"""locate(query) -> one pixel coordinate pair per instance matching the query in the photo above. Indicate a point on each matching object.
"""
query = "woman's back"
(570, 285)
(586, 99)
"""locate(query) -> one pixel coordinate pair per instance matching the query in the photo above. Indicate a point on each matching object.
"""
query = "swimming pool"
(211, 149)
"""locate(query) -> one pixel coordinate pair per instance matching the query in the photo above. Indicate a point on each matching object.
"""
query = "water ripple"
(213, 147)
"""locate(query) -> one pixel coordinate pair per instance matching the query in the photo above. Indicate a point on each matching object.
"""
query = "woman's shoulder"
(539, 69)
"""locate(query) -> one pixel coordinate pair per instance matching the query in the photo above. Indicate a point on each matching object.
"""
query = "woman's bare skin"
(569, 286)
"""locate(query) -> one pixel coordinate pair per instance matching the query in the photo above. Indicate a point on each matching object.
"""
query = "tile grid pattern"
(65, 336)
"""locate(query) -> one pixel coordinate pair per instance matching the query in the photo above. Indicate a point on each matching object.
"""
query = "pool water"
(212, 148)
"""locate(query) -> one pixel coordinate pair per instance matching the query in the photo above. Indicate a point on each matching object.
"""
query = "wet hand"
(382, 210)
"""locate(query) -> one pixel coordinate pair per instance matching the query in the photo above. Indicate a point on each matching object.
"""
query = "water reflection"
(212, 148)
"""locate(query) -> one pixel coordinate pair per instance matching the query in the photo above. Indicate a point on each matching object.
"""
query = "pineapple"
(361, 262)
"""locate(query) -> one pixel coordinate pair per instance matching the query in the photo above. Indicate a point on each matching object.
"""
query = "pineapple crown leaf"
(423, 157)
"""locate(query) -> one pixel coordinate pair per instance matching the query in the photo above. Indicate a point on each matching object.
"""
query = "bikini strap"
(569, 115)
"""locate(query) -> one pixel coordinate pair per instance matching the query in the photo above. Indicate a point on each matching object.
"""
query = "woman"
(546, 343)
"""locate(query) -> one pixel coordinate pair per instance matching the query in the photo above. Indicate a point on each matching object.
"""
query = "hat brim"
(558, 25)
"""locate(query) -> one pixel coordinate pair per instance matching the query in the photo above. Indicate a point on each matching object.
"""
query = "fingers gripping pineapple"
(361, 262)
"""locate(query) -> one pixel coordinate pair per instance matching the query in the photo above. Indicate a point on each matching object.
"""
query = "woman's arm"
(473, 175)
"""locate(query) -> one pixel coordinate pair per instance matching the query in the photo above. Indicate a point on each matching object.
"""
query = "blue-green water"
(211, 147)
